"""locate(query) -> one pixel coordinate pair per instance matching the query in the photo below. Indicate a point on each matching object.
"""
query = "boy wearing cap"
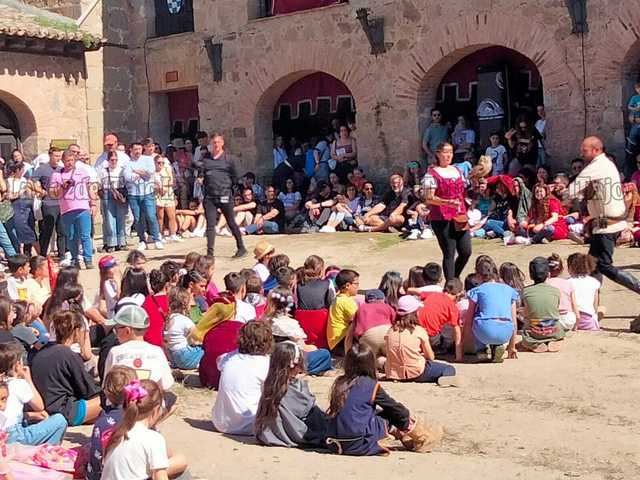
(149, 361)
(542, 331)
(263, 252)
(372, 321)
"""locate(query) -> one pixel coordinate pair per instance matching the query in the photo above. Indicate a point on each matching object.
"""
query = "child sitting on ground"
(569, 311)
(372, 321)
(409, 354)
(587, 289)
(109, 289)
(136, 449)
(263, 252)
(287, 413)
(236, 285)
(362, 414)
(196, 283)
(542, 331)
(255, 294)
(189, 263)
(23, 392)
(439, 311)
(285, 327)
(415, 280)
(342, 310)
(276, 262)
(432, 276)
(178, 329)
(110, 416)
(243, 374)
(19, 274)
(191, 221)
(511, 275)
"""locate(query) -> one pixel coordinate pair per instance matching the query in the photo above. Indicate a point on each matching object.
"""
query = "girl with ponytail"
(280, 305)
(135, 450)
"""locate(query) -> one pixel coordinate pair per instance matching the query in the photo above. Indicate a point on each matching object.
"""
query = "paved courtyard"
(549, 416)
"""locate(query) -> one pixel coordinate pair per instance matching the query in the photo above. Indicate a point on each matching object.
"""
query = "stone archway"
(26, 122)
(423, 70)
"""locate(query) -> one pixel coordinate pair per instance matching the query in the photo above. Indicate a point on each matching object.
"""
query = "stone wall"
(263, 57)
(68, 8)
(55, 105)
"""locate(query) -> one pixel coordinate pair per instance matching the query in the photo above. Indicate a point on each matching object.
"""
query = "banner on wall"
(290, 6)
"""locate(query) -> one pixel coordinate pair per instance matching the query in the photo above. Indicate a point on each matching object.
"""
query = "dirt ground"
(573, 414)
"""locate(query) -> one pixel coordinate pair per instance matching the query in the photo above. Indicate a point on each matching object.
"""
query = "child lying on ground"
(356, 427)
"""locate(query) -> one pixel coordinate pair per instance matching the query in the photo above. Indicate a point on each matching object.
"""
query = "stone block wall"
(68, 8)
(586, 80)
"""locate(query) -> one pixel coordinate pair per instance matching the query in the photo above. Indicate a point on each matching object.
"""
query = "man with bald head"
(599, 183)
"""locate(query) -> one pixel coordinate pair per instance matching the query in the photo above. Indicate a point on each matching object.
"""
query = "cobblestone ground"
(549, 416)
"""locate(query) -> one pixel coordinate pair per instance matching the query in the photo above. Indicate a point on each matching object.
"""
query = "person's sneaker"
(574, 237)
(186, 234)
(159, 245)
(89, 266)
(483, 355)
(545, 241)
(142, 246)
(452, 381)
(242, 252)
(491, 234)
(427, 234)
(120, 248)
(364, 228)
(522, 240)
(508, 238)
(200, 233)
(176, 238)
(327, 229)
(497, 353)
(414, 235)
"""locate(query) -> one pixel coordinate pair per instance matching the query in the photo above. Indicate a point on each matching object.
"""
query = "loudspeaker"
(214, 51)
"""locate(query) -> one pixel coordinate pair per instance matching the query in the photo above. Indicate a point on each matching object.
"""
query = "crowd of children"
(253, 341)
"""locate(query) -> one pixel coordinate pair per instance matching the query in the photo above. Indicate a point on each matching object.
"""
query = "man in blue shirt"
(139, 175)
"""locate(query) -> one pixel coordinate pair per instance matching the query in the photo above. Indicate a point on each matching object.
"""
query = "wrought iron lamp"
(214, 52)
(373, 29)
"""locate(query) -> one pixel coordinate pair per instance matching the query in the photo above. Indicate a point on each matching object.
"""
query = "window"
(173, 16)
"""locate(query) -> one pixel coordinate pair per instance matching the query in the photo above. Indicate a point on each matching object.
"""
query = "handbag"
(119, 194)
(461, 222)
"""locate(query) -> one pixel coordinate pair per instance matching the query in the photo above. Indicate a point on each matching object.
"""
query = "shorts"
(78, 413)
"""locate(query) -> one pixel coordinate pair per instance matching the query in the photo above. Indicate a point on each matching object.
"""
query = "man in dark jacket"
(217, 171)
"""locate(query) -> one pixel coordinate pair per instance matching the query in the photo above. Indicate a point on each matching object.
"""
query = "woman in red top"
(444, 187)
(157, 307)
(546, 217)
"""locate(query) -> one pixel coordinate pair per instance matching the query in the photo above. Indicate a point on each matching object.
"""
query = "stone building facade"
(587, 79)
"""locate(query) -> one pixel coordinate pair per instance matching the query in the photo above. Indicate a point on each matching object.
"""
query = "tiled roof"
(20, 20)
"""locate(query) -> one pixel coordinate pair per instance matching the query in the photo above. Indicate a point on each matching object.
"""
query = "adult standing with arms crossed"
(217, 170)
(599, 183)
(444, 187)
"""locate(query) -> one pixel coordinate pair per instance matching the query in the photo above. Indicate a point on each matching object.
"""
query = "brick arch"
(439, 49)
(26, 122)
(270, 78)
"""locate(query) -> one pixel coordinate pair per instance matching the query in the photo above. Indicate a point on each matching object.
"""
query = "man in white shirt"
(139, 173)
(110, 145)
(149, 361)
(599, 183)
(203, 142)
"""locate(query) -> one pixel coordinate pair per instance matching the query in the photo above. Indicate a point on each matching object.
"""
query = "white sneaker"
(159, 245)
(507, 238)
(327, 229)
(176, 238)
(427, 234)
(224, 233)
(414, 235)
(142, 246)
(200, 233)
(522, 240)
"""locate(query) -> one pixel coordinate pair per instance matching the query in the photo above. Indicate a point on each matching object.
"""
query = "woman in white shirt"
(113, 205)
(279, 153)
(243, 374)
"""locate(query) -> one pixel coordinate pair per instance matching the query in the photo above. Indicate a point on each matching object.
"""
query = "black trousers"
(452, 241)
(51, 219)
(602, 247)
(211, 206)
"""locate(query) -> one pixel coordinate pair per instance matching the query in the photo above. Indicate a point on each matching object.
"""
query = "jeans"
(602, 247)
(5, 242)
(51, 219)
(434, 370)
(50, 430)
(144, 206)
(113, 218)
(491, 332)
(77, 223)
(452, 241)
(318, 361)
(187, 358)
(268, 227)
(211, 206)
(495, 226)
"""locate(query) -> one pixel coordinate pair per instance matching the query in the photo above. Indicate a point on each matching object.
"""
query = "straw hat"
(483, 168)
(262, 248)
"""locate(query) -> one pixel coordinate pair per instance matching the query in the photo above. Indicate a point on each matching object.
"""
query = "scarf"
(223, 309)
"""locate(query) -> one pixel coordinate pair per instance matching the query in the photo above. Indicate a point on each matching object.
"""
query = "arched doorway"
(9, 130)
(309, 105)
(490, 87)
